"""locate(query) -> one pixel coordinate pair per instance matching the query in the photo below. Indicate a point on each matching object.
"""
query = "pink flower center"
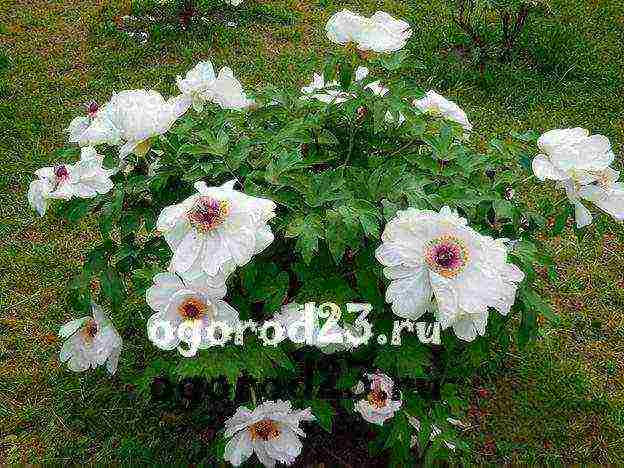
(208, 213)
(92, 108)
(447, 256)
(61, 173)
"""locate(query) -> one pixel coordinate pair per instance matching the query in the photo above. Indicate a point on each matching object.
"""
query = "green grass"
(560, 401)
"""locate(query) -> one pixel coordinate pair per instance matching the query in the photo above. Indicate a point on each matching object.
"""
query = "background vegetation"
(562, 400)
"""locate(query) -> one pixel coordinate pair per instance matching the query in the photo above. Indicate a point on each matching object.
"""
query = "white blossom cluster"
(434, 260)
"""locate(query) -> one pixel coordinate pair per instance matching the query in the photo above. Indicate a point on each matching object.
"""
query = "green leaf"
(411, 362)
(266, 283)
(534, 301)
(562, 220)
(394, 61)
(78, 208)
(308, 231)
(346, 75)
(363, 213)
(324, 413)
(112, 287)
(503, 209)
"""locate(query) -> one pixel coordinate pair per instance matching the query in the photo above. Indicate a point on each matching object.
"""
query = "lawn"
(561, 400)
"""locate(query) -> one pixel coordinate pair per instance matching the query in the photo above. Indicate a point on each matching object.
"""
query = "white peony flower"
(580, 164)
(271, 431)
(572, 154)
(84, 179)
(607, 194)
(196, 304)
(131, 119)
(80, 124)
(438, 105)
(202, 85)
(92, 341)
(437, 262)
(234, 3)
(216, 230)
(292, 315)
(379, 33)
(331, 92)
(378, 404)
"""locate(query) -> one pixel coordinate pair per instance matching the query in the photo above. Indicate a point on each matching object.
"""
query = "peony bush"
(253, 225)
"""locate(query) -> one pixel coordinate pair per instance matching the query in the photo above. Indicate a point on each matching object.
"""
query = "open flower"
(330, 92)
(379, 33)
(271, 431)
(378, 404)
(438, 105)
(131, 119)
(437, 262)
(572, 154)
(92, 341)
(580, 164)
(216, 229)
(84, 179)
(201, 85)
(197, 304)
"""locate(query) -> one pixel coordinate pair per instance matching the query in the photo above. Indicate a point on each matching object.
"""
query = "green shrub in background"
(493, 27)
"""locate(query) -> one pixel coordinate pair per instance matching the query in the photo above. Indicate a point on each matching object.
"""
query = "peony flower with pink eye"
(378, 405)
(131, 119)
(437, 263)
(271, 431)
(91, 342)
(84, 179)
(216, 230)
(192, 312)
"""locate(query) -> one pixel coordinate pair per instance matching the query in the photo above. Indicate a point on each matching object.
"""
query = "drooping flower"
(215, 230)
(330, 92)
(572, 154)
(84, 179)
(438, 263)
(80, 124)
(378, 406)
(438, 105)
(606, 193)
(579, 162)
(131, 119)
(197, 304)
(201, 85)
(91, 342)
(271, 431)
(379, 33)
